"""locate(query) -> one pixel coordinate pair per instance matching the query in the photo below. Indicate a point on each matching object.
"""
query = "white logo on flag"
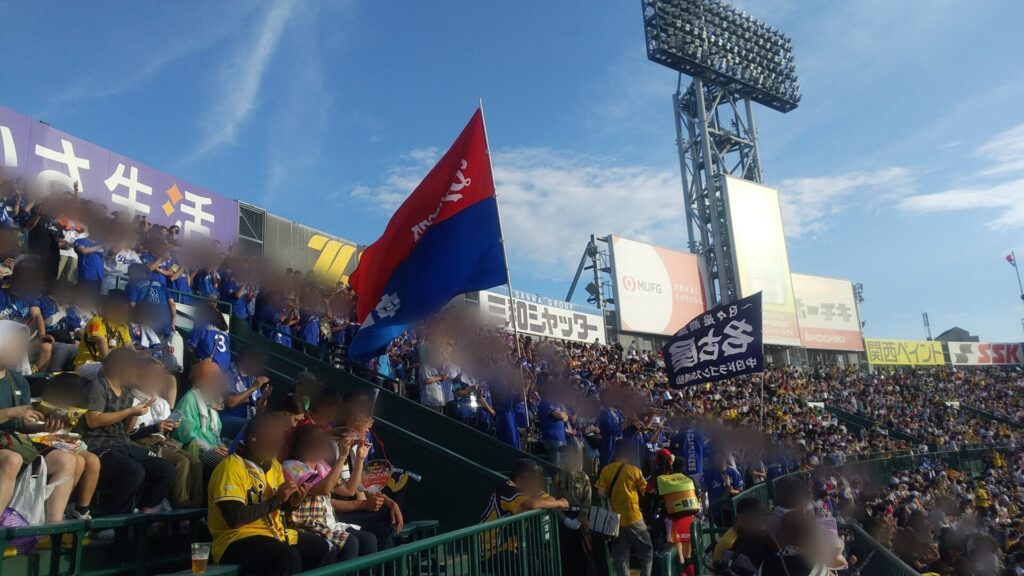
(459, 183)
(388, 305)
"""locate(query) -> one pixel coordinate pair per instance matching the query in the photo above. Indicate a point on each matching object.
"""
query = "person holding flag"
(447, 231)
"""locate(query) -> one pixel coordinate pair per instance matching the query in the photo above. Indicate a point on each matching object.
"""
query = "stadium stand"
(160, 370)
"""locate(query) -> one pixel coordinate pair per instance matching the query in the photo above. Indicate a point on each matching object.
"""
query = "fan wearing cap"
(19, 302)
(523, 491)
(679, 497)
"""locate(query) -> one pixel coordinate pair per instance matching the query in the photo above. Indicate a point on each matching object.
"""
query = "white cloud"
(1007, 198)
(1002, 156)
(1005, 152)
(398, 182)
(551, 201)
(809, 204)
(114, 70)
(241, 80)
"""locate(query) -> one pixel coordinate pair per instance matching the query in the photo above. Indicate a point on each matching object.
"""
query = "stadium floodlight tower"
(732, 60)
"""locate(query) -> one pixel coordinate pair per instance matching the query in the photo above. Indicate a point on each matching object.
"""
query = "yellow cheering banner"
(904, 352)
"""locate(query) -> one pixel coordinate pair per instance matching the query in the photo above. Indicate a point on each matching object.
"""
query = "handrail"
(122, 278)
(991, 416)
(399, 431)
(428, 544)
(729, 503)
(902, 568)
(851, 417)
(346, 364)
(218, 303)
(912, 457)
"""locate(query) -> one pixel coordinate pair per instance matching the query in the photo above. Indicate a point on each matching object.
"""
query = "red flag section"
(460, 179)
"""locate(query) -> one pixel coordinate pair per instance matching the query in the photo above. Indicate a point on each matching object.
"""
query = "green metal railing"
(861, 421)
(525, 544)
(872, 558)
(322, 353)
(727, 506)
(970, 460)
(990, 416)
(130, 552)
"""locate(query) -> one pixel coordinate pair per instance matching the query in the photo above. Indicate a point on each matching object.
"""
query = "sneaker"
(107, 534)
(74, 514)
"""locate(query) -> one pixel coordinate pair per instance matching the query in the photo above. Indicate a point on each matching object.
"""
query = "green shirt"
(14, 391)
(199, 422)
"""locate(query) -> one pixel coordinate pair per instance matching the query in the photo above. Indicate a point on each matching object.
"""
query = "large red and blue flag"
(444, 240)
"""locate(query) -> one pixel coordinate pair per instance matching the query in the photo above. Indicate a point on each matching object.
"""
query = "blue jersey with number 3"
(209, 342)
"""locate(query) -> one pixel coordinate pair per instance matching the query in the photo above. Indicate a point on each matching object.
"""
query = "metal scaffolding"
(715, 137)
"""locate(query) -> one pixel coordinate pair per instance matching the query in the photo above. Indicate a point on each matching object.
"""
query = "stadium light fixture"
(724, 46)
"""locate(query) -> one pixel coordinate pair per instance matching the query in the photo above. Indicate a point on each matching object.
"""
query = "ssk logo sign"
(646, 286)
(976, 353)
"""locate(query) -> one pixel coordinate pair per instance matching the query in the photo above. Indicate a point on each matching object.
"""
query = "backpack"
(575, 487)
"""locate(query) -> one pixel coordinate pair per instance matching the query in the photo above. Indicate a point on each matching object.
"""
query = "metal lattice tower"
(715, 136)
(734, 60)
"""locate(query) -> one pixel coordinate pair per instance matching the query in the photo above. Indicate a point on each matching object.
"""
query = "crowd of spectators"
(925, 403)
(128, 421)
(126, 415)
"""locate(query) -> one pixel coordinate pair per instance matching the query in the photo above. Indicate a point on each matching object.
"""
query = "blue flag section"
(723, 342)
(459, 255)
(444, 240)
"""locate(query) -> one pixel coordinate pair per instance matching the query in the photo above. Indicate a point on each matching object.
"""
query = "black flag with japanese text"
(721, 343)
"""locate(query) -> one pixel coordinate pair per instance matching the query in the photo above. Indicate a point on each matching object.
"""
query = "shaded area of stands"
(990, 416)
(453, 489)
(423, 422)
(858, 422)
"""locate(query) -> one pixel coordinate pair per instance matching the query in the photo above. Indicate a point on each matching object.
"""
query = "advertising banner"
(904, 352)
(656, 289)
(827, 313)
(985, 353)
(53, 161)
(762, 262)
(293, 245)
(546, 317)
(724, 342)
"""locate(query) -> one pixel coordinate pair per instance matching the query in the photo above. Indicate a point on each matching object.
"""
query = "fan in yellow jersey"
(103, 334)
(522, 492)
(248, 499)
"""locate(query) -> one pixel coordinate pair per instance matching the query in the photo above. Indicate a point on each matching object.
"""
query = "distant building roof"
(956, 334)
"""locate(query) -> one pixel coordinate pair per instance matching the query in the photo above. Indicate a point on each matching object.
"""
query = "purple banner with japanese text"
(49, 160)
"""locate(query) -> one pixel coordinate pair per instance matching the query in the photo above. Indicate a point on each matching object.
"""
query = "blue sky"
(902, 169)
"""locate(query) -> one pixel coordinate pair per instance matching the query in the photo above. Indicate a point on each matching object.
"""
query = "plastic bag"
(31, 492)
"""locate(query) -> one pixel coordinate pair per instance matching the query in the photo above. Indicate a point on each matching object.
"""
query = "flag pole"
(762, 401)
(508, 275)
(1017, 269)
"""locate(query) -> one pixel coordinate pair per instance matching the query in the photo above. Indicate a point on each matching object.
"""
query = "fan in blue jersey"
(235, 290)
(143, 289)
(209, 339)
